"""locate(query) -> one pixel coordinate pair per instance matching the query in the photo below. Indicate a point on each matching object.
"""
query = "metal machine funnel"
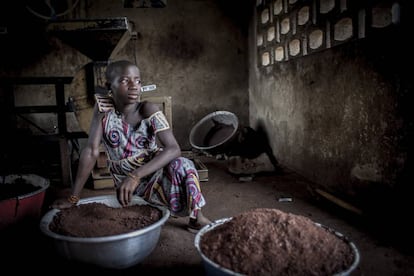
(98, 39)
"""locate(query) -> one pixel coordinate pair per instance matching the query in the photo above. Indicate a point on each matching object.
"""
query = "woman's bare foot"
(194, 225)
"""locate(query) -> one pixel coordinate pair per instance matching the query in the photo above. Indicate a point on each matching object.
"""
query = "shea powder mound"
(98, 220)
(268, 241)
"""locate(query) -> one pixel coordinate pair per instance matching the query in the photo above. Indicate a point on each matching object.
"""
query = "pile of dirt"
(98, 220)
(268, 241)
(17, 188)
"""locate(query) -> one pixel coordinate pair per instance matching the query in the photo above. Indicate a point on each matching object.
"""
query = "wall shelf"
(62, 136)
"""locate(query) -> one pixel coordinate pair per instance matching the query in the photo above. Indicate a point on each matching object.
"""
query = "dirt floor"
(25, 248)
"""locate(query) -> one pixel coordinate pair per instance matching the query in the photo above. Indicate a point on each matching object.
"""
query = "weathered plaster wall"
(341, 116)
(194, 51)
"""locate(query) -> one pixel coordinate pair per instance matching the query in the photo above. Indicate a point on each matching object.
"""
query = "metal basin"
(215, 133)
(214, 269)
(116, 251)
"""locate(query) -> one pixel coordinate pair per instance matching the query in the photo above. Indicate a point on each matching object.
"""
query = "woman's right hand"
(126, 190)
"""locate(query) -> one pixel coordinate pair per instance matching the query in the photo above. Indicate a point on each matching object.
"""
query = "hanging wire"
(53, 14)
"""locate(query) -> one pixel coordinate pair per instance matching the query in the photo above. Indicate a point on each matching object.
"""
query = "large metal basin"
(117, 251)
(214, 269)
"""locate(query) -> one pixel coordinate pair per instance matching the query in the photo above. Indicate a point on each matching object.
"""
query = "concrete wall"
(194, 51)
(340, 116)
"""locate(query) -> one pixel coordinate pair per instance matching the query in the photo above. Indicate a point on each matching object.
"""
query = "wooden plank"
(36, 80)
(340, 202)
(201, 169)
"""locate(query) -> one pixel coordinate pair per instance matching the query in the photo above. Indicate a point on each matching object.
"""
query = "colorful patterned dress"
(175, 186)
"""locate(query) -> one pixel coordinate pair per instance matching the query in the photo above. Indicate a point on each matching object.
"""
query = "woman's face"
(126, 85)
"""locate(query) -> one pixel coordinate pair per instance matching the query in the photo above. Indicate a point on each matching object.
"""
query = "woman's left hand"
(126, 190)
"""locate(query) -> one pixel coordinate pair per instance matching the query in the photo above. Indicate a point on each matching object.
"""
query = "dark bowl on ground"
(22, 198)
(215, 133)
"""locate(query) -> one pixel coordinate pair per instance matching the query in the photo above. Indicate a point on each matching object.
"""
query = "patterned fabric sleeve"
(158, 121)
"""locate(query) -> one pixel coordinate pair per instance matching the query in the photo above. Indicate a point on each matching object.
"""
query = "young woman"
(130, 130)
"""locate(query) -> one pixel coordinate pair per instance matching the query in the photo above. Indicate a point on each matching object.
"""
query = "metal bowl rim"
(41, 183)
(204, 119)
